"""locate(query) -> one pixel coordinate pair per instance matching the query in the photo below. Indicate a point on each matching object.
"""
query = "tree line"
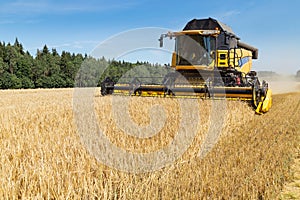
(49, 69)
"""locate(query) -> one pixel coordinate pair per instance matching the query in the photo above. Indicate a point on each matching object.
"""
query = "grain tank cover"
(209, 24)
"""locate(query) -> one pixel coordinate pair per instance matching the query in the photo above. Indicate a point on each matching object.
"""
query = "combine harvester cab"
(210, 62)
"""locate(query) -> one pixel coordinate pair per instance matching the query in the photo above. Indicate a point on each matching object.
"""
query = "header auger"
(210, 62)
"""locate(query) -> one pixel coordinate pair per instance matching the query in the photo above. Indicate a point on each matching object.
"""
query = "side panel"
(240, 59)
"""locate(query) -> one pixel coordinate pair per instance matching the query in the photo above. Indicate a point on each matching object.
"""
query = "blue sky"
(79, 26)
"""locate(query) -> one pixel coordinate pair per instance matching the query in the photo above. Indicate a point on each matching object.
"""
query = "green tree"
(10, 81)
(11, 57)
(89, 73)
(24, 72)
(19, 47)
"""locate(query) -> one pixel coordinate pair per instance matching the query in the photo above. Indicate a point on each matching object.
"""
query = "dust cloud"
(279, 87)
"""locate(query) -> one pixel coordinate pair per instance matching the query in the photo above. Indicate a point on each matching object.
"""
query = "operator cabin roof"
(208, 24)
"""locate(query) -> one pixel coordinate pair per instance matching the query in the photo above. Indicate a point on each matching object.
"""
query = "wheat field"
(43, 157)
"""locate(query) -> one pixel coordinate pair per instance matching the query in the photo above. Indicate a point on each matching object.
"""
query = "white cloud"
(228, 14)
(55, 6)
(7, 22)
(21, 7)
(76, 46)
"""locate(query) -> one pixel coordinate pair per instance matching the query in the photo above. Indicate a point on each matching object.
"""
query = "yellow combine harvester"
(209, 62)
